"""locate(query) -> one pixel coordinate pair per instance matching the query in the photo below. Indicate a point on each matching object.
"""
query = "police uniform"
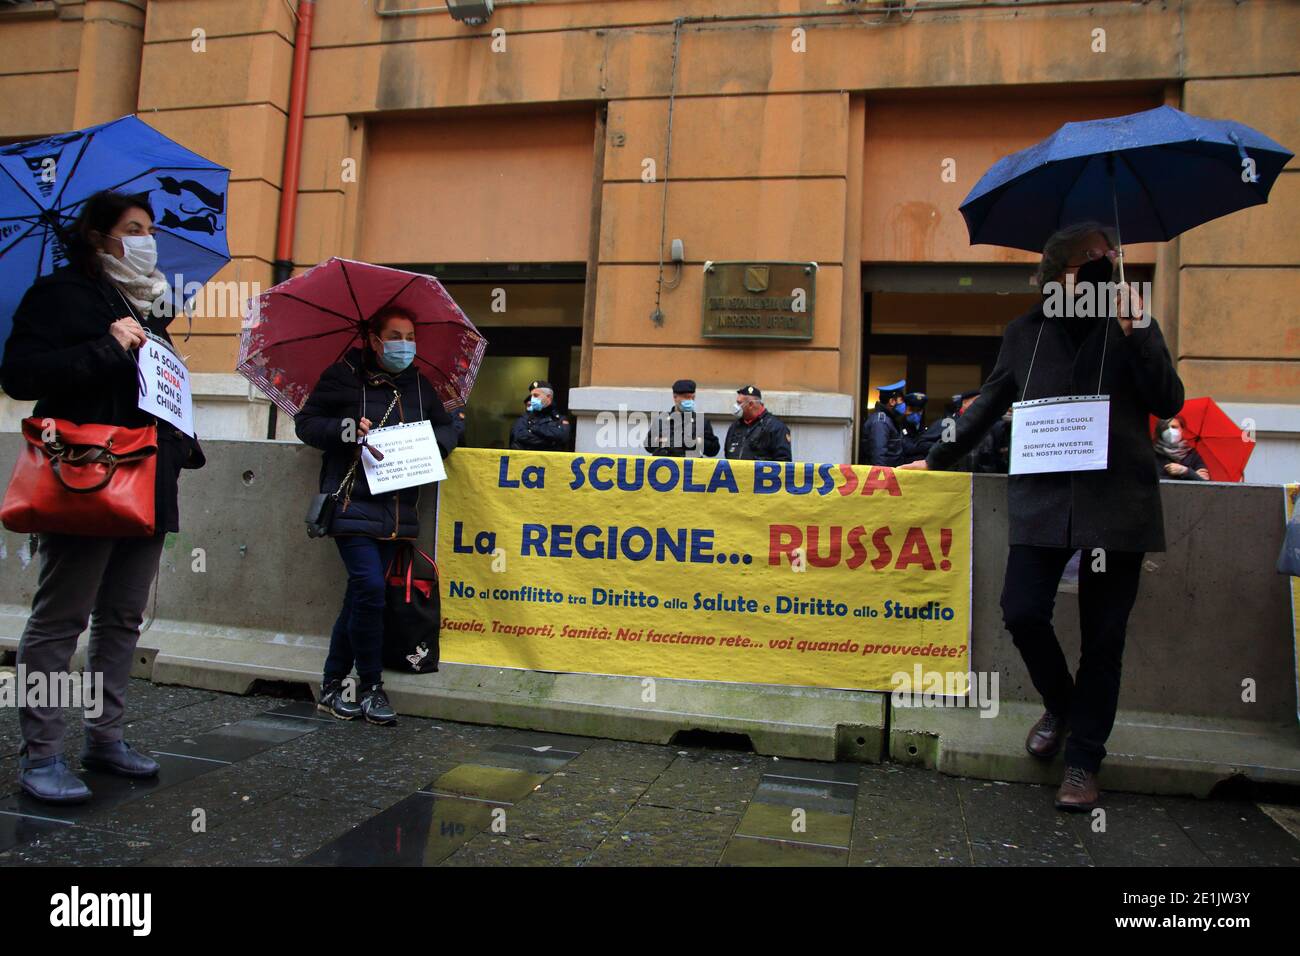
(766, 438)
(543, 430)
(913, 428)
(882, 432)
(669, 431)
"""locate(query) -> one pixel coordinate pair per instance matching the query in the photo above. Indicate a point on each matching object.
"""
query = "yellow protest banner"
(705, 569)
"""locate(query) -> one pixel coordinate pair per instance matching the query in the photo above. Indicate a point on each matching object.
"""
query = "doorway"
(937, 327)
(531, 316)
(940, 327)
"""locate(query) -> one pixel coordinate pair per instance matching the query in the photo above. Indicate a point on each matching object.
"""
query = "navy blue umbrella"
(44, 182)
(1153, 175)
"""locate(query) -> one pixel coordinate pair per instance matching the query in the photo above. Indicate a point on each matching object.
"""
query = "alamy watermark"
(24, 688)
(214, 299)
(922, 688)
(1097, 300)
(627, 428)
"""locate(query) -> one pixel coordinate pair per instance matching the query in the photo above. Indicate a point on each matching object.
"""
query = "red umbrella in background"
(1219, 440)
(297, 329)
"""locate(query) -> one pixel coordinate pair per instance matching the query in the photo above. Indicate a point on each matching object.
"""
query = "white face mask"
(737, 410)
(140, 253)
(1173, 436)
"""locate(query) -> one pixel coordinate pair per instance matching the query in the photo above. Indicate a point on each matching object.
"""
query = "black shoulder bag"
(320, 513)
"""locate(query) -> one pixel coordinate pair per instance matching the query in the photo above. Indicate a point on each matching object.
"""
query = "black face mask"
(1095, 270)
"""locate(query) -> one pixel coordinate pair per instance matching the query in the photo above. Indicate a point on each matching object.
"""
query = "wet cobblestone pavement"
(261, 781)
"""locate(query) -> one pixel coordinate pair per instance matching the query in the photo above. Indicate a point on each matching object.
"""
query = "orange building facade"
(543, 162)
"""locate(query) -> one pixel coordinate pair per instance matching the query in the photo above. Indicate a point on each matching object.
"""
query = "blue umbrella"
(44, 182)
(1153, 175)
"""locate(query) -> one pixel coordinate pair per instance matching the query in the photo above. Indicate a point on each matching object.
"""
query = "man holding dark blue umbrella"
(1098, 375)
(1112, 514)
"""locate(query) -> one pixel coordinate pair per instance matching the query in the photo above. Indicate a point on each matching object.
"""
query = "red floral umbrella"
(1220, 441)
(297, 329)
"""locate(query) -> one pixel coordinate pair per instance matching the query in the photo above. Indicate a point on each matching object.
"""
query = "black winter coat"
(668, 432)
(348, 391)
(986, 458)
(766, 438)
(883, 438)
(61, 355)
(544, 430)
(1118, 508)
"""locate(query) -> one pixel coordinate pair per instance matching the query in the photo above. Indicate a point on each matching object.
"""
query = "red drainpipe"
(282, 268)
(293, 142)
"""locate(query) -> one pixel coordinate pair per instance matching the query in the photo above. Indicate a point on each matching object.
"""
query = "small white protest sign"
(165, 385)
(1068, 433)
(411, 457)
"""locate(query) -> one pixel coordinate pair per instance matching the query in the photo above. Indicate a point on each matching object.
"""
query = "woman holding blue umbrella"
(73, 350)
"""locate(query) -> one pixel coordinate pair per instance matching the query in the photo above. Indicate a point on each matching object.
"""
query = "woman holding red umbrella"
(1175, 456)
(370, 387)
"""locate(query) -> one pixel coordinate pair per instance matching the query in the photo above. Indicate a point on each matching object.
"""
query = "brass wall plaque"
(758, 300)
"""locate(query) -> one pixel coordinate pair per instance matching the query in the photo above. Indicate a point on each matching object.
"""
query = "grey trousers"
(104, 581)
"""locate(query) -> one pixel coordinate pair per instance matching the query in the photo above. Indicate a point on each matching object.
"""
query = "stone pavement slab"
(626, 759)
(574, 809)
(1135, 831)
(1232, 833)
(662, 836)
(1015, 824)
(908, 817)
(707, 782)
(489, 849)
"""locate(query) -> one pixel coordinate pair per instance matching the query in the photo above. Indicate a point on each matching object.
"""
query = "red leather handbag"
(94, 480)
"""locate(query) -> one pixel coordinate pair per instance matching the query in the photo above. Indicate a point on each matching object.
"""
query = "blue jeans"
(358, 635)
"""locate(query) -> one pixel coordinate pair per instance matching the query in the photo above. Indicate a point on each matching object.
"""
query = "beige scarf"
(142, 291)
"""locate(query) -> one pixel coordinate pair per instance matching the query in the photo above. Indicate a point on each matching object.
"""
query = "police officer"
(757, 434)
(934, 434)
(882, 432)
(671, 431)
(541, 427)
(913, 424)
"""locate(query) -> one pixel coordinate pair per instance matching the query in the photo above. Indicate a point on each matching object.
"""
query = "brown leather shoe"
(1044, 740)
(1079, 790)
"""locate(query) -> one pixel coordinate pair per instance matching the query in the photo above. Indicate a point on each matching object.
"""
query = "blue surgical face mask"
(398, 355)
(687, 404)
(534, 404)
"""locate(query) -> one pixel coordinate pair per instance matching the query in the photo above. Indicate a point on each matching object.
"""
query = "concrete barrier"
(1211, 614)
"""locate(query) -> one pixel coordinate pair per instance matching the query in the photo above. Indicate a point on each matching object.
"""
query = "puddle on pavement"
(494, 784)
(421, 830)
(746, 851)
(789, 825)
